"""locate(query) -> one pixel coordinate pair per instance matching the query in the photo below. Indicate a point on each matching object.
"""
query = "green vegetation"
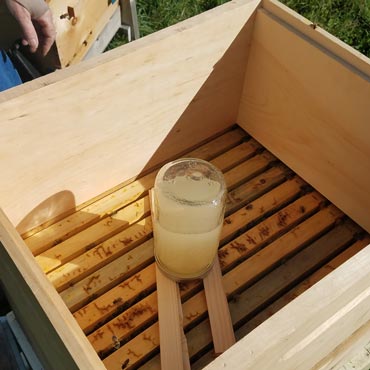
(153, 15)
(157, 14)
(347, 19)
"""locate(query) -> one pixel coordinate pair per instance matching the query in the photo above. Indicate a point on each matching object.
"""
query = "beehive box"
(280, 106)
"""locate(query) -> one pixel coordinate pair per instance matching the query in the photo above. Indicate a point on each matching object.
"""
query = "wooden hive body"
(76, 136)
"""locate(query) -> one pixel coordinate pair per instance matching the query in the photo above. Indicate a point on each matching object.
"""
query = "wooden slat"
(82, 291)
(280, 280)
(229, 258)
(274, 250)
(218, 310)
(275, 199)
(101, 255)
(54, 234)
(256, 187)
(89, 215)
(88, 238)
(133, 352)
(297, 337)
(316, 254)
(246, 303)
(103, 307)
(248, 169)
(126, 324)
(248, 271)
(243, 152)
(76, 268)
(110, 275)
(303, 286)
(195, 308)
(94, 235)
(99, 232)
(170, 323)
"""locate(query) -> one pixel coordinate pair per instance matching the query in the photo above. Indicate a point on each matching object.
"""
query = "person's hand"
(38, 30)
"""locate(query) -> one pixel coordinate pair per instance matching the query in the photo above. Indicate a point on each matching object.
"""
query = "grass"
(157, 14)
(349, 20)
(153, 15)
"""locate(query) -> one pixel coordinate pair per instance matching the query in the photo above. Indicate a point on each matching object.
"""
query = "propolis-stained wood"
(273, 217)
(76, 156)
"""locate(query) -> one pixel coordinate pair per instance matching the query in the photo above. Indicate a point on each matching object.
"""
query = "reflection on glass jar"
(189, 204)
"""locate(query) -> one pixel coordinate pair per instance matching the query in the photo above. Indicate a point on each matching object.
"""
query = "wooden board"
(321, 133)
(75, 36)
(67, 165)
(320, 37)
(253, 318)
(300, 335)
(56, 338)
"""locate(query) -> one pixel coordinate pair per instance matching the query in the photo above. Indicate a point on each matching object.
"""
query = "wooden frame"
(259, 71)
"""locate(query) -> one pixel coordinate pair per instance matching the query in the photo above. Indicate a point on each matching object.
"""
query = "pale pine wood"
(294, 337)
(249, 169)
(75, 295)
(255, 210)
(55, 335)
(43, 239)
(243, 152)
(255, 187)
(66, 265)
(74, 37)
(129, 322)
(170, 323)
(86, 277)
(333, 154)
(89, 316)
(87, 216)
(218, 310)
(256, 297)
(112, 54)
(104, 306)
(143, 344)
(324, 39)
(286, 245)
(176, 95)
(99, 309)
(304, 285)
(101, 255)
(125, 217)
(352, 354)
(196, 307)
(94, 235)
(248, 271)
(256, 237)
